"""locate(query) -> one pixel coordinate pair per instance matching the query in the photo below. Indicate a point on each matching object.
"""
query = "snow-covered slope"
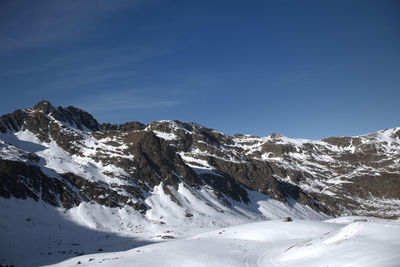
(171, 180)
(351, 241)
(35, 233)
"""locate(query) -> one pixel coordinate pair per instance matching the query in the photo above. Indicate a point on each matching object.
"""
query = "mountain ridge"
(120, 164)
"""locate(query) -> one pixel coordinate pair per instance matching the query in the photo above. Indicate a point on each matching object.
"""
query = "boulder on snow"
(288, 219)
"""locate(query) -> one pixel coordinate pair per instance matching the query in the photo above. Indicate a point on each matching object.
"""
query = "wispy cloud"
(123, 101)
(97, 67)
(42, 23)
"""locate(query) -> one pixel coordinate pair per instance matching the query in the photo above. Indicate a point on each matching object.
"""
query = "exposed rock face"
(63, 156)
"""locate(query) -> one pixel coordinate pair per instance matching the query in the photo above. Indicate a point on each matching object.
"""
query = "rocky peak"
(75, 117)
(44, 106)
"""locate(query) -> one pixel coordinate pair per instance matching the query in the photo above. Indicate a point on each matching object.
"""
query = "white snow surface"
(36, 234)
(166, 136)
(346, 242)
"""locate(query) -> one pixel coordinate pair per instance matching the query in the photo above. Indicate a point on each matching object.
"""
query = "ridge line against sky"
(306, 70)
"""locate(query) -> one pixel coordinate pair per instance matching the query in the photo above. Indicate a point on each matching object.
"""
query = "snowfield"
(36, 234)
(346, 241)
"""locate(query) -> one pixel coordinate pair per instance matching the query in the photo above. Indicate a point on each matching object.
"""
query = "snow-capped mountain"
(171, 179)
(64, 157)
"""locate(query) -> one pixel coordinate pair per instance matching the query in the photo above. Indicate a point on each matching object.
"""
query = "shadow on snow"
(36, 234)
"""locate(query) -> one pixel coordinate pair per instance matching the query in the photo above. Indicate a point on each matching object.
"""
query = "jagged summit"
(41, 116)
(45, 106)
(76, 117)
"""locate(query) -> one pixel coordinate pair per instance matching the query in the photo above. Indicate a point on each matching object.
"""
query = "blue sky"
(305, 69)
